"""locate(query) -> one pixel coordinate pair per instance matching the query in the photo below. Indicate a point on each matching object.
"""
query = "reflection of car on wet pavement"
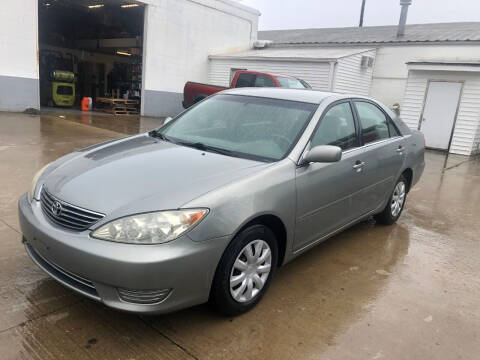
(207, 206)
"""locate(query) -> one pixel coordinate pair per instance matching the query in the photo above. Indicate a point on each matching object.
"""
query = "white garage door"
(439, 113)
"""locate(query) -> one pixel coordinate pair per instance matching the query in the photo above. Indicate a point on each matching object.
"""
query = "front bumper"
(101, 269)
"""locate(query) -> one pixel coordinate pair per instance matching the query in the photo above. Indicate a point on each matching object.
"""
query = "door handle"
(358, 166)
(400, 150)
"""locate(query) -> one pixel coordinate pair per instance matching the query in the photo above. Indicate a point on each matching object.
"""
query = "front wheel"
(395, 204)
(245, 271)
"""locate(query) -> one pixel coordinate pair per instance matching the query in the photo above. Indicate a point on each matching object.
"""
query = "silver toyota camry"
(208, 206)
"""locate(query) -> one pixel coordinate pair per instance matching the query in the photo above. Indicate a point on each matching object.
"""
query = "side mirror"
(323, 154)
(167, 120)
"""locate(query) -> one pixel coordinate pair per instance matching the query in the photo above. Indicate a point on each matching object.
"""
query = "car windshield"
(290, 83)
(244, 126)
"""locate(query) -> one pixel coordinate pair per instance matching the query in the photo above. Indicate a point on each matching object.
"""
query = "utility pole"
(362, 12)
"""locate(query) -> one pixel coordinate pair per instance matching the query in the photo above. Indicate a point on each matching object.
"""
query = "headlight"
(150, 228)
(33, 186)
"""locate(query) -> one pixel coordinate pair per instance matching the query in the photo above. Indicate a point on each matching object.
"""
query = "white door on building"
(439, 113)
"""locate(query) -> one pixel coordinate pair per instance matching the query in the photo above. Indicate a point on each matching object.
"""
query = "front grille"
(65, 277)
(69, 216)
(145, 297)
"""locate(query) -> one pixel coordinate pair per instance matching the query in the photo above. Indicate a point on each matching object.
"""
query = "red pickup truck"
(195, 92)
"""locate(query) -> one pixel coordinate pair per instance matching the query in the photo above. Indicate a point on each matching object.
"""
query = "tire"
(395, 205)
(221, 296)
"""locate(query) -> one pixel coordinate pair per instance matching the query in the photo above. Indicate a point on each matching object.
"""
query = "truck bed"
(194, 91)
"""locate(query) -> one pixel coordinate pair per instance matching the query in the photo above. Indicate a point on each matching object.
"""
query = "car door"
(384, 154)
(324, 190)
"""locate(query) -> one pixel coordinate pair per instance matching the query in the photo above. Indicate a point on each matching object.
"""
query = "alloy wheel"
(398, 198)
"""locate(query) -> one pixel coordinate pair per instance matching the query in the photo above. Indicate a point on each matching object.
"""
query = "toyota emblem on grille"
(56, 208)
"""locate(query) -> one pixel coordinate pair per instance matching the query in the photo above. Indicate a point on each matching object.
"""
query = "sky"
(297, 14)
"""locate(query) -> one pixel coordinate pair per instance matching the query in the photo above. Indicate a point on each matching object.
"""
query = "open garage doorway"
(91, 49)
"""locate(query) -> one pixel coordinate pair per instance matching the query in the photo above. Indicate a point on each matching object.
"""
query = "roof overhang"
(271, 58)
(444, 66)
(319, 55)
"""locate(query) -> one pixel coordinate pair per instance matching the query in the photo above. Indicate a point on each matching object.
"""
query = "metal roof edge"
(240, 6)
(358, 52)
(274, 58)
(444, 63)
(359, 43)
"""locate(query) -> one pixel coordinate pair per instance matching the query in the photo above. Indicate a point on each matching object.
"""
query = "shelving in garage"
(100, 43)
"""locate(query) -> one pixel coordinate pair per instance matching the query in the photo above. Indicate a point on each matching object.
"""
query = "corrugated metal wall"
(315, 73)
(466, 134)
(350, 77)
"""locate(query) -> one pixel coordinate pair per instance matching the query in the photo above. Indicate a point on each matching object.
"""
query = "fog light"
(145, 297)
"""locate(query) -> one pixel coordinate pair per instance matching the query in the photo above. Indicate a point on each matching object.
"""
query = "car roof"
(309, 96)
(312, 97)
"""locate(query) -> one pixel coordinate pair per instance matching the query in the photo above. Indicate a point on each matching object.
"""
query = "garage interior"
(91, 49)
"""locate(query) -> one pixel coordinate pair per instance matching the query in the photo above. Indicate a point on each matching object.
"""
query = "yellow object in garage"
(63, 88)
(63, 93)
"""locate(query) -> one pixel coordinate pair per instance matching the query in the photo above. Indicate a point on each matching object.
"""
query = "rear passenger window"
(393, 130)
(337, 128)
(246, 80)
(263, 81)
(373, 121)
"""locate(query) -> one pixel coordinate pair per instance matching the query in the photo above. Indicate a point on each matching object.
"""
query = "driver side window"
(337, 128)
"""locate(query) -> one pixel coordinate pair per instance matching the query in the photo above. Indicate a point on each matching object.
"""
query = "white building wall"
(18, 61)
(179, 36)
(350, 77)
(466, 135)
(315, 73)
(413, 100)
(390, 71)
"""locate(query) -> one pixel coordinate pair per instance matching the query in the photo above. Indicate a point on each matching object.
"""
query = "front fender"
(269, 192)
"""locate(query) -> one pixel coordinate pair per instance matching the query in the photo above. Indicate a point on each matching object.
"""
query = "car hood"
(141, 174)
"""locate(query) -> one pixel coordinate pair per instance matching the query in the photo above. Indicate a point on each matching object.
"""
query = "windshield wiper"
(204, 147)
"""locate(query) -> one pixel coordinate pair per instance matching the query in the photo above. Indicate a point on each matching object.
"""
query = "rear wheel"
(245, 271)
(395, 204)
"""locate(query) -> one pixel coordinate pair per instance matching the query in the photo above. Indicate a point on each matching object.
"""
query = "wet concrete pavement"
(408, 291)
